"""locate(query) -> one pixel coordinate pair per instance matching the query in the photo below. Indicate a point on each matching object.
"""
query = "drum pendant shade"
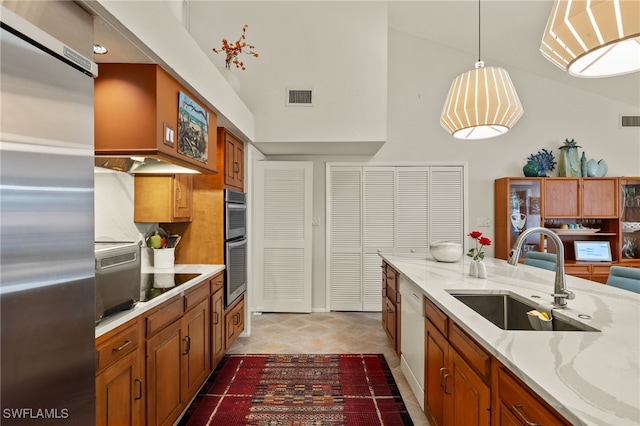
(593, 38)
(482, 103)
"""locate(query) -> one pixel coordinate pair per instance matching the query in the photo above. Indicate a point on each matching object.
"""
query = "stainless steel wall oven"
(235, 256)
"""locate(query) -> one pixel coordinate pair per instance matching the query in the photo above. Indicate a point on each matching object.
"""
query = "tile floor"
(331, 332)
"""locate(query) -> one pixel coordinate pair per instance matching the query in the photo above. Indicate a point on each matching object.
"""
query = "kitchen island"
(589, 377)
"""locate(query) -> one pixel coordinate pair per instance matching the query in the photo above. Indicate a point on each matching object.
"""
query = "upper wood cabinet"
(581, 198)
(136, 114)
(162, 199)
(233, 149)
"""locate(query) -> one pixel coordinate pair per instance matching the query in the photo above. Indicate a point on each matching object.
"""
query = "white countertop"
(591, 378)
(113, 321)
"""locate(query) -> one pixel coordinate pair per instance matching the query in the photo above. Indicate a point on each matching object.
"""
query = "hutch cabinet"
(577, 209)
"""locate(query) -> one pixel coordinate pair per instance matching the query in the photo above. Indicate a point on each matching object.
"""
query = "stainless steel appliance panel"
(236, 269)
(118, 282)
(47, 306)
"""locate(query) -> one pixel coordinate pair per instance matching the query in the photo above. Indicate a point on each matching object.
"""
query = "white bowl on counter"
(446, 251)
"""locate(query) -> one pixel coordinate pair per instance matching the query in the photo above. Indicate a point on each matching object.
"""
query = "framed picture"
(534, 205)
(193, 129)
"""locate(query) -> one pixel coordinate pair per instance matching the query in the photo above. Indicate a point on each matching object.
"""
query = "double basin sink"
(508, 311)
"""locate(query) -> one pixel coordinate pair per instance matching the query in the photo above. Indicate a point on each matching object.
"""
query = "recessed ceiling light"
(99, 49)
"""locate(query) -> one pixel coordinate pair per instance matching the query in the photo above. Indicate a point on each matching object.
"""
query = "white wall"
(338, 49)
(417, 90)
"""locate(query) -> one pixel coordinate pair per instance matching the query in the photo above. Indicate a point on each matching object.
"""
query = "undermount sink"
(509, 311)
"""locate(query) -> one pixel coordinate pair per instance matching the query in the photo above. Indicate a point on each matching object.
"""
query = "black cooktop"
(153, 285)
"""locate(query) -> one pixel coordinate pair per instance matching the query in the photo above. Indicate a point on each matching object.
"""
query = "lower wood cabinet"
(234, 322)
(120, 396)
(464, 384)
(391, 305)
(217, 320)
(455, 394)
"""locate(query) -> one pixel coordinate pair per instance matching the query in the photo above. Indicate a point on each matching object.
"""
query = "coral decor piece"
(232, 50)
(477, 253)
(545, 161)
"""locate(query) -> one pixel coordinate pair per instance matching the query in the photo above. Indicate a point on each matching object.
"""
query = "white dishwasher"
(412, 337)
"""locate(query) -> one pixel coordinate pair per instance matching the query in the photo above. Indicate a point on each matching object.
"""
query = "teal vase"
(530, 169)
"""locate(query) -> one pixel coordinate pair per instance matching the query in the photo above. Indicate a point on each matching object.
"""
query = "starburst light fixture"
(593, 38)
(482, 103)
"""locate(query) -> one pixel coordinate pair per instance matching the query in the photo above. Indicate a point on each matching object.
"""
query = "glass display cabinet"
(630, 219)
(517, 206)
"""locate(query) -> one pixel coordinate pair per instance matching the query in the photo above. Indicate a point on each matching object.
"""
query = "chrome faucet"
(560, 293)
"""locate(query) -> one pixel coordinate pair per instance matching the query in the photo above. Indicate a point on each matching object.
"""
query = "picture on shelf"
(534, 205)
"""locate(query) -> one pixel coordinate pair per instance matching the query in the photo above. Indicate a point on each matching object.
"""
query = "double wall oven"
(235, 254)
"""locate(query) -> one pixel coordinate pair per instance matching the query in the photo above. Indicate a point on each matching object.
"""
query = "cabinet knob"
(139, 383)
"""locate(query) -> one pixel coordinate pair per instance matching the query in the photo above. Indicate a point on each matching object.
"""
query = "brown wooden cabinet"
(217, 319)
(518, 405)
(234, 322)
(162, 198)
(586, 198)
(136, 106)
(391, 301)
(457, 373)
(233, 159)
(120, 395)
(178, 353)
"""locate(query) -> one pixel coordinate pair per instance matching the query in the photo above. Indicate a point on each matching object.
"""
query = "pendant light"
(593, 38)
(482, 103)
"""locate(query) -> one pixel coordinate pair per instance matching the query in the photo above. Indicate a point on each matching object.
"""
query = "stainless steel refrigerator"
(47, 303)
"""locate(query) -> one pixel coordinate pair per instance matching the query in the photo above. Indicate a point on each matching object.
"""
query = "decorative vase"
(473, 268)
(482, 269)
(530, 169)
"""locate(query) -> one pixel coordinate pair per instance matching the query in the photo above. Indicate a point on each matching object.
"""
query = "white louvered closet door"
(283, 209)
(412, 206)
(379, 189)
(446, 190)
(345, 236)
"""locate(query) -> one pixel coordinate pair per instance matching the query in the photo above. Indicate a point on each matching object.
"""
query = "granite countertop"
(113, 321)
(591, 378)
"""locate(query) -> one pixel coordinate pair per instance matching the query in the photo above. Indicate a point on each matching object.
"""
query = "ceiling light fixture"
(482, 103)
(593, 38)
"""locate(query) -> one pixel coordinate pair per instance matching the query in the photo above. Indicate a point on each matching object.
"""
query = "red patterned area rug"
(300, 390)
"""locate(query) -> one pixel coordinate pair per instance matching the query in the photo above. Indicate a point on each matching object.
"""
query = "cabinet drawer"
(216, 282)
(436, 316)
(195, 295)
(475, 356)
(577, 269)
(116, 346)
(522, 404)
(168, 312)
(392, 279)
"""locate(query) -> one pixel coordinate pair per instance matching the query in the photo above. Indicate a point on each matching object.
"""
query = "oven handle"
(233, 206)
(236, 243)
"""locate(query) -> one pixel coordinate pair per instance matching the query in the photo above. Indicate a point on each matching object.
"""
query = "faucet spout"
(560, 293)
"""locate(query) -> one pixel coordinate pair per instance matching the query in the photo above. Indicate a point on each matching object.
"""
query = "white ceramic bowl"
(446, 251)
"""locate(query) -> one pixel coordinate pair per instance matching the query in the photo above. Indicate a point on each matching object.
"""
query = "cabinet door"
(468, 399)
(229, 160)
(217, 327)
(238, 164)
(562, 198)
(119, 393)
(600, 198)
(196, 356)
(436, 348)
(183, 186)
(164, 375)
(390, 314)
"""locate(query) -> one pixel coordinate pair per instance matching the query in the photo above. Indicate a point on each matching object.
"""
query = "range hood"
(140, 165)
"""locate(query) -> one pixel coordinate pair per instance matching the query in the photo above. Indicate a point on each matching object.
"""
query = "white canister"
(163, 258)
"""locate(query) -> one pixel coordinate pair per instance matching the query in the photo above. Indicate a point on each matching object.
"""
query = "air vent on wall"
(630, 121)
(299, 97)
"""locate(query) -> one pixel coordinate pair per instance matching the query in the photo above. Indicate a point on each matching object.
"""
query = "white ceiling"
(510, 37)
